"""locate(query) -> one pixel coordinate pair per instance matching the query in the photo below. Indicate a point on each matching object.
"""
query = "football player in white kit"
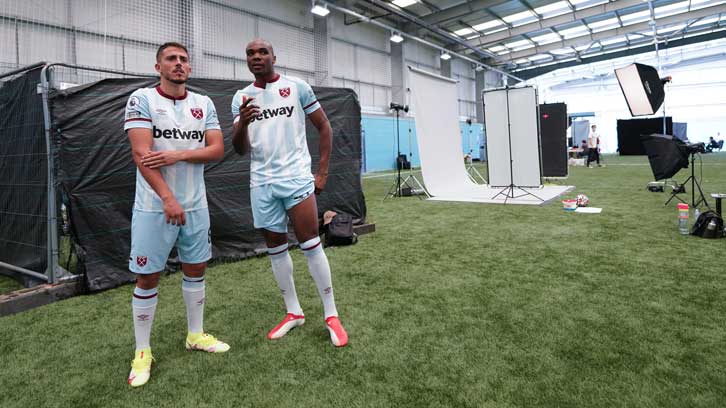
(172, 132)
(269, 123)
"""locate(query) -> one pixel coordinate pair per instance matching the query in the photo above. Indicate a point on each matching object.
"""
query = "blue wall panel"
(379, 141)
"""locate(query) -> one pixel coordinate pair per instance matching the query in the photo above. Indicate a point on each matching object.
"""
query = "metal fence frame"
(54, 272)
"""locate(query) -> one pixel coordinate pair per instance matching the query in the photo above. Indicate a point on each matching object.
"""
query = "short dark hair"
(169, 44)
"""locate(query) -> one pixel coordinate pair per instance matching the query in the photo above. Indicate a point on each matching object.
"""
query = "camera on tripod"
(397, 107)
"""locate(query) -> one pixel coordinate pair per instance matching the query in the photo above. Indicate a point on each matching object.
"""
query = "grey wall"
(124, 34)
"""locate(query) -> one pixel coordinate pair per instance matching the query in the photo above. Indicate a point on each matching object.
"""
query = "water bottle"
(711, 228)
(696, 213)
(683, 218)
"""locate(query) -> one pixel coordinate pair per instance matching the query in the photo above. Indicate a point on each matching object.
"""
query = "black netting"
(97, 173)
(23, 174)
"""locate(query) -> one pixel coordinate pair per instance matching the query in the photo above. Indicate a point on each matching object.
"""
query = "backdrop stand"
(508, 191)
(473, 173)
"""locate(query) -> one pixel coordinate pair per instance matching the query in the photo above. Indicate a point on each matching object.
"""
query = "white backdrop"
(512, 112)
(434, 101)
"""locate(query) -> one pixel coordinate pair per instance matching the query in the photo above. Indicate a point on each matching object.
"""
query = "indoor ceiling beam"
(585, 40)
(462, 10)
(536, 71)
(384, 26)
(553, 21)
(444, 35)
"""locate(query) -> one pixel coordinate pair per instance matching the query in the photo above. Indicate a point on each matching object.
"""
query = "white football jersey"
(176, 124)
(277, 135)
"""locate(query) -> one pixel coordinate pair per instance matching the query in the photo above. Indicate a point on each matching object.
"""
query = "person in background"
(593, 142)
(584, 150)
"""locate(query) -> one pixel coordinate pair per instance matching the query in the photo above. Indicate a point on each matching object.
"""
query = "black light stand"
(411, 182)
(508, 191)
(396, 189)
(694, 184)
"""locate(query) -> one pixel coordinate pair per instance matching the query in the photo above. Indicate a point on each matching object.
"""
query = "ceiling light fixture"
(319, 10)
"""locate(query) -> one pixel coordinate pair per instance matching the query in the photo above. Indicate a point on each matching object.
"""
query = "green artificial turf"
(8, 284)
(446, 305)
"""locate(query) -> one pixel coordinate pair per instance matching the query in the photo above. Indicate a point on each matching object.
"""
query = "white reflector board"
(512, 127)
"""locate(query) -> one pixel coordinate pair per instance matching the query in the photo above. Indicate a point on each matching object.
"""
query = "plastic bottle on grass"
(683, 218)
(712, 227)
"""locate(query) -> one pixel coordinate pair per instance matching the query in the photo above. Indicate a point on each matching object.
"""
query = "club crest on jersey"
(197, 113)
(285, 92)
(141, 261)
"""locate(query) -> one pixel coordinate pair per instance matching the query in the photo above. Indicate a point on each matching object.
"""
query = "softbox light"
(667, 155)
(642, 87)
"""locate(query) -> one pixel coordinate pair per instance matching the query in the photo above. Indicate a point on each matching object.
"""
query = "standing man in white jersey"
(593, 141)
(269, 123)
(173, 132)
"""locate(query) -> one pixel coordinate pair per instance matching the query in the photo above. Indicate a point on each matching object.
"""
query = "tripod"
(473, 173)
(508, 191)
(402, 187)
(694, 184)
(411, 178)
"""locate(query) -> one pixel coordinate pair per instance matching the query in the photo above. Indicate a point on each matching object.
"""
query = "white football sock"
(143, 306)
(282, 269)
(193, 291)
(320, 271)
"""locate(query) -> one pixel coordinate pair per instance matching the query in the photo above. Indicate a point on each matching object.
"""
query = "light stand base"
(508, 192)
(694, 185)
(408, 186)
(412, 182)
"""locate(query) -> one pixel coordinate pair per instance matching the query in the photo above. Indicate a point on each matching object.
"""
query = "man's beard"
(176, 81)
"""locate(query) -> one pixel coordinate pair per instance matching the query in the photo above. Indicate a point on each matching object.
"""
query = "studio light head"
(667, 155)
(642, 88)
(692, 148)
(397, 107)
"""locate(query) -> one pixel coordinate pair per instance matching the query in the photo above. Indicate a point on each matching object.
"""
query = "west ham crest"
(197, 113)
(141, 261)
(285, 92)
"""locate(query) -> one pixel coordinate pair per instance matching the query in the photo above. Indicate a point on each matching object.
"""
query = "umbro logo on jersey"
(271, 113)
(198, 113)
(285, 92)
(179, 134)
